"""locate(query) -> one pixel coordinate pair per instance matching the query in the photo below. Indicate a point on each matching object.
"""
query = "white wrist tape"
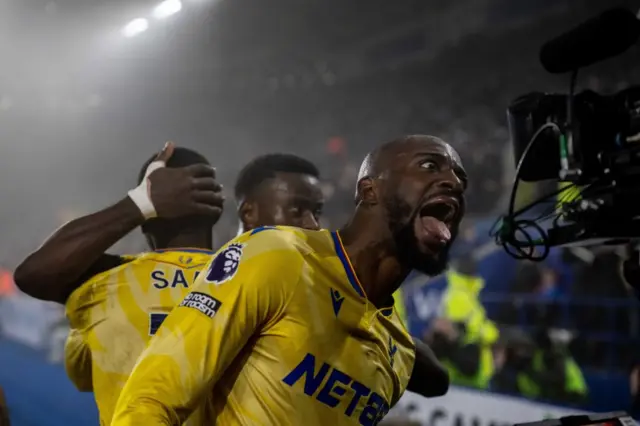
(140, 195)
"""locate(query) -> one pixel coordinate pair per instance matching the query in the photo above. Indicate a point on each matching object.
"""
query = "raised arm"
(76, 251)
(201, 337)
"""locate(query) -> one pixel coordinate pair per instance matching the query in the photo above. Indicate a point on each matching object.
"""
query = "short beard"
(401, 220)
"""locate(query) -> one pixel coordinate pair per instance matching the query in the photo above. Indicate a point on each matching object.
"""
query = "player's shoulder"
(284, 239)
(271, 238)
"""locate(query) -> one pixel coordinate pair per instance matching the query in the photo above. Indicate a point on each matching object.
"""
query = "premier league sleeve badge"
(225, 265)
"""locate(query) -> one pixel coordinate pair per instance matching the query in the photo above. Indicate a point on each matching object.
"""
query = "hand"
(184, 191)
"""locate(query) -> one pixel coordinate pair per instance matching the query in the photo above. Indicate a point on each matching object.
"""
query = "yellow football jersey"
(278, 331)
(114, 314)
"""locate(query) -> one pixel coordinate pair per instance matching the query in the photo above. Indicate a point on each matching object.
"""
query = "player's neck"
(374, 259)
(195, 239)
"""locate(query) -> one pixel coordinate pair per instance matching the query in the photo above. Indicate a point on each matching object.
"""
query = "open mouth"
(443, 208)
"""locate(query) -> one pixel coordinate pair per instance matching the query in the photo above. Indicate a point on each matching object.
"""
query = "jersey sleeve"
(245, 289)
(78, 363)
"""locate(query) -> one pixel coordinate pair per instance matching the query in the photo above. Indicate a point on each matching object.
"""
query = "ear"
(248, 214)
(367, 192)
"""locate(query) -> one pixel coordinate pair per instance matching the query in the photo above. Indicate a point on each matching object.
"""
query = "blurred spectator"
(539, 368)
(461, 302)
(512, 355)
(468, 364)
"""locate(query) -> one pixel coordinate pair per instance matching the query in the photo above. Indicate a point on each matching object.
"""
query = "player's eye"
(429, 165)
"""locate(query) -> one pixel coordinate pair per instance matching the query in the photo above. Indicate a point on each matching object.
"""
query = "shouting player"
(282, 189)
(115, 303)
(291, 326)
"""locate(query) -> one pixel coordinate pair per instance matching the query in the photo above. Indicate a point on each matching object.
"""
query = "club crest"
(225, 265)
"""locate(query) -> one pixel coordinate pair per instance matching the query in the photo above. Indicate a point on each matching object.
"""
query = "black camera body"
(588, 141)
(603, 128)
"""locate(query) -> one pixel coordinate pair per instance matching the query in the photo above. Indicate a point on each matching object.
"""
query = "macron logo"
(336, 300)
(393, 348)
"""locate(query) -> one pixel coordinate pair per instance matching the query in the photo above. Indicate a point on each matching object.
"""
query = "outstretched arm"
(429, 377)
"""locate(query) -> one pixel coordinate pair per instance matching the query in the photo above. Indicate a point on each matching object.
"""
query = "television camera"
(587, 142)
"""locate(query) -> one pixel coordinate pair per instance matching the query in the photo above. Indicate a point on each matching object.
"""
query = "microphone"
(602, 37)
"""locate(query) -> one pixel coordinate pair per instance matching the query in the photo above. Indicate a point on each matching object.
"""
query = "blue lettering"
(179, 278)
(336, 387)
(160, 282)
(360, 391)
(307, 368)
(336, 379)
(370, 413)
(195, 276)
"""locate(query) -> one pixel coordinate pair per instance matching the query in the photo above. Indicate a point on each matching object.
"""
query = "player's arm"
(429, 377)
(76, 251)
(203, 335)
(77, 357)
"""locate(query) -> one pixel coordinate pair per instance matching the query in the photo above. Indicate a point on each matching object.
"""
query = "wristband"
(140, 194)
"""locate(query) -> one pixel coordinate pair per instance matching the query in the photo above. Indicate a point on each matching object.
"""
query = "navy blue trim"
(262, 228)
(186, 250)
(345, 264)
(386, 311)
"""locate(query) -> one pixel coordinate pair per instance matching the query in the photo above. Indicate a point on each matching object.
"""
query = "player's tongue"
(432, 231)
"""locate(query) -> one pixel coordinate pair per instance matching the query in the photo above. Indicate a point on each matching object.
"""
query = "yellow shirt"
(278, 331)
(114, 314)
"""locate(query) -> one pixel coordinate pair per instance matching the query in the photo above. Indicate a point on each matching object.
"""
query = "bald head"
(390, 156)
(414, 188)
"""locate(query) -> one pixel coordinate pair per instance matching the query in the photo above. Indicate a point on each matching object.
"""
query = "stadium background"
(82, 106)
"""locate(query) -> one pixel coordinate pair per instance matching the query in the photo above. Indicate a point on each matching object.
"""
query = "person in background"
(513, 353)
(468, 363)
(545, 371)
(461, 302)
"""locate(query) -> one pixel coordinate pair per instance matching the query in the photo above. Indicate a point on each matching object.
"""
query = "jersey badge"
(185, 260)
(202, 302)
(336, 300)
(225, 265)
